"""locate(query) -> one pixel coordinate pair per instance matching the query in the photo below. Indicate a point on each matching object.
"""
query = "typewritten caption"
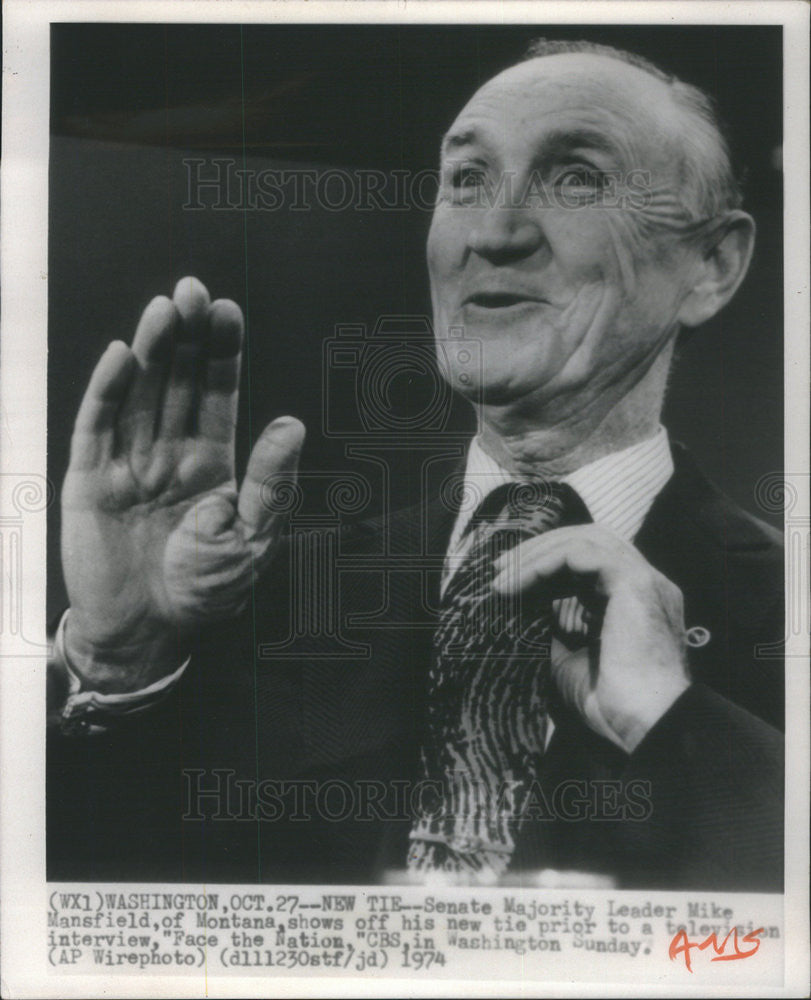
(443, 932)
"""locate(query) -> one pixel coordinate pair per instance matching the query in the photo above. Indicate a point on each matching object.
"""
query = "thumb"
(276, 453)
(574, 673)
(571, 672)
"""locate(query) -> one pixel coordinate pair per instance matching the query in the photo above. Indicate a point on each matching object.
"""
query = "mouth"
(500, 300)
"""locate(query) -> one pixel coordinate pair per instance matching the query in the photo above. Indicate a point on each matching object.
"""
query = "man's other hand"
(633, 668)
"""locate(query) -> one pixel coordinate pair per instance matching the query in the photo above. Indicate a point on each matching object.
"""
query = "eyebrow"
(565, 140)
(456, 140)
(556, 143)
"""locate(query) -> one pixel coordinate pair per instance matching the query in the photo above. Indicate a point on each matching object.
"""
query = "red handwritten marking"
(682, 945)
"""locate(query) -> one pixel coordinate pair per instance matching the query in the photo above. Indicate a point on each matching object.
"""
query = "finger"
(276, 453)
(93, 432)
(191, 300)
(571, 671)
(575, 676)
(578, 553)
(525, 565)
(587, 533)
(152, 347)
(217, 416)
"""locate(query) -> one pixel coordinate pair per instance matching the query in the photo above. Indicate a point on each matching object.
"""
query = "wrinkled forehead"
(616, 104)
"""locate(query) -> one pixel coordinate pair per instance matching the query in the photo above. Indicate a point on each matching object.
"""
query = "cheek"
(651, 264)
(584, 251)
(602, 245)
(627, 250)
(447, 240)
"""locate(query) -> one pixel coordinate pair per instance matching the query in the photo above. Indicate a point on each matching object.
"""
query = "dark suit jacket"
(308, 743)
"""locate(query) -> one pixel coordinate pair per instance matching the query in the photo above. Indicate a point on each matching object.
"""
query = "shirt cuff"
(87, 713)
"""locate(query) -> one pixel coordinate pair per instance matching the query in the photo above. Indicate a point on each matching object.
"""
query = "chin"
(499, 389)
(505, 361)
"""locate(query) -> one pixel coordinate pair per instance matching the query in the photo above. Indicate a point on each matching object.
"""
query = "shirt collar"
(618, 489)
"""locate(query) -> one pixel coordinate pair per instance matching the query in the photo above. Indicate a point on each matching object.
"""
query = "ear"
(723, 262)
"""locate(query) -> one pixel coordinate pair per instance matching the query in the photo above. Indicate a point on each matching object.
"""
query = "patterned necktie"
(488, 691)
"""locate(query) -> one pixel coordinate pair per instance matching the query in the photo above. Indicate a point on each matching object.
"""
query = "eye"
(575, 178)
(467, 177)
(465, 183)
(580, 179)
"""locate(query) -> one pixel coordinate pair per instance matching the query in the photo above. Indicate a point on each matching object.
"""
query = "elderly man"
(579, 688)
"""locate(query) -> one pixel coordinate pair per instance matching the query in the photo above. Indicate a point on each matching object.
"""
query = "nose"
(505, 234)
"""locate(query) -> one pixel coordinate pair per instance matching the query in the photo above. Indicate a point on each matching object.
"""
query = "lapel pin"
(698, 636)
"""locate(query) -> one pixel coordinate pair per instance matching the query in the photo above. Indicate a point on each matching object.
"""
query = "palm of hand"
(156, 537)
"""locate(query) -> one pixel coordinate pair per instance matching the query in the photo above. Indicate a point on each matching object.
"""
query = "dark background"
(130, 102)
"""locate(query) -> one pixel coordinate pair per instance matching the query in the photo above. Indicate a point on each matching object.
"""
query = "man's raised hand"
(156, 539)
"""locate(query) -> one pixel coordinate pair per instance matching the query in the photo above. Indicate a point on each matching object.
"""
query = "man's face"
(555, 239)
